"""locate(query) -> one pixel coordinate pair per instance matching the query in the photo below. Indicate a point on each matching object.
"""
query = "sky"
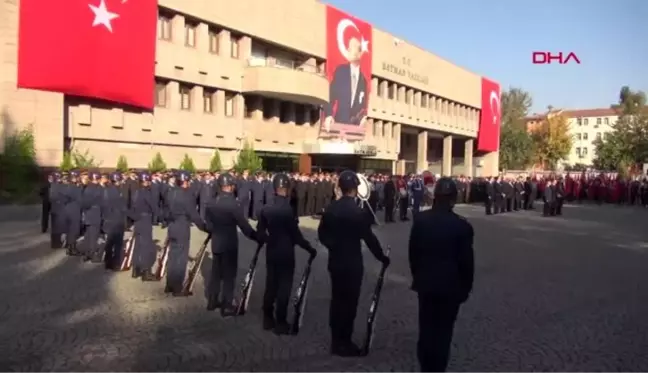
(496, 39)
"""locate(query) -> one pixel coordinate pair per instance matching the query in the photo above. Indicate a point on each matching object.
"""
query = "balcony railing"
(285, 64)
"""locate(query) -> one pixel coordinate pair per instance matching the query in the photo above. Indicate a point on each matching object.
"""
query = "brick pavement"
(551, 294)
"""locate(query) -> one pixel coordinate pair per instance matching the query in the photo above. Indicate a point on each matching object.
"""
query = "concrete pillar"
(178, 30)
(291, 114)
(276, 111)
(305, 163)
(219, 103)
(400, 167)
(468, 158)
(421, 151)
(446, 165)
(197, 100)
(173, 95)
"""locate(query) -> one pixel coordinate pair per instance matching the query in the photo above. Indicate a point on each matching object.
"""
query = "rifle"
(162, 262)
(373, 309)
(187, 286)
(246, 285)
(299, 302)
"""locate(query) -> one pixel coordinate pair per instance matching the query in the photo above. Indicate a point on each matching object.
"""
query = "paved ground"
(564, 294)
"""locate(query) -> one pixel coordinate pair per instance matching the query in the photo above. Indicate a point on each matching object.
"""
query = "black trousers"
(402, 208)
(223, 275)
(389, 209)
(345, 292)
(279, 278)
(45, 216)
(114, 248)
(436, 325)
(301, 205)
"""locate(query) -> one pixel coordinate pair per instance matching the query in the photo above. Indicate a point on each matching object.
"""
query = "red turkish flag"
(102, 49)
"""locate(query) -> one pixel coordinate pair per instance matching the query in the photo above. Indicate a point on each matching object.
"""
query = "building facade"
(585, 127)
(255, 71)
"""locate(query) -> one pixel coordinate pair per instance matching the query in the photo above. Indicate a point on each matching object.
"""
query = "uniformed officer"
(180, 213)
(91, 207)
(57, 200)
(224, 215)
(442, 266)
(72, 212)
(341, 230)
(143, 209)
(113, 212)
(278, 226)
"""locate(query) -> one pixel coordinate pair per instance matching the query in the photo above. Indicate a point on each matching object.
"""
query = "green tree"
(552, 140)
(122, 164)
(67, 163)
(516, 145)
(627, 144)
(187, 164)
(248, 159)
(516, 148)
(18, 165)
(215, 163)
(84, 160)
(157, 164)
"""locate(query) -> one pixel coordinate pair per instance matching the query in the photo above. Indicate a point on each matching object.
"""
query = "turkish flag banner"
(348, 68)
(491, 117)
(102, 49)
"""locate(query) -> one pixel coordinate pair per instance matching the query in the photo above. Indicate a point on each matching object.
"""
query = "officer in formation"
(143, 210)
(223, 216)
(442, 266)
(341, 230)
(278, 227)
(505, 194)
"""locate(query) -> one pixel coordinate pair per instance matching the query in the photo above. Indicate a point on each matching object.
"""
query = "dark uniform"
(341, 230)
(56, 199)
(46, 205)
(142, 211)
(91, 207)
(180, 212)
(442, 266)
(113, 212)
(72, 214)
(279, 227)
(223, 216)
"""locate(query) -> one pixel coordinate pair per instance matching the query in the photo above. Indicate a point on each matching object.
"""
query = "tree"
(627, 144)
(84, 160)
(516, 148)
(187, 164)
(215, 163)
(67, 163)
(516, 145)
(157, 164)
(552, 140)
(122, 164)
(18, 165)
(248, 159)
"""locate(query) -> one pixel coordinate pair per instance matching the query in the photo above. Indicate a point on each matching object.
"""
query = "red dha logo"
(547, 58)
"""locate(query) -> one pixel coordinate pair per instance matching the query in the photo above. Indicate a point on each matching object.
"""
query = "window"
(185, 97)
(268, 108)
(249, 103)
(586, 122)
(579, 121)
(585, 136)
(315, 114)
(606, 121)
(160, 94)
(379, 91)
(392, 91)
(598, 121)
(229, 104)
(606, 136)
(284, 112)
(213, 41)
(300, 114)
(598, 135)
(208, 100)
(578, 151)
(164, 27)
(235, 46)
(190, 34)
(584, 152)
(579, 136)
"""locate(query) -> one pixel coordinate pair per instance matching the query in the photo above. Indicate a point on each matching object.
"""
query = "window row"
(400, 93)
(585, 136)
(215, 35)
(599, 121)
(581, 152)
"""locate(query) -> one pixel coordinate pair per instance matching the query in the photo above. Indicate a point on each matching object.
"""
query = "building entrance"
(334, 162)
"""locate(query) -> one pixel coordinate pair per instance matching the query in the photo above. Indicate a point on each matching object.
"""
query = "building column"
(421, 152)
(400, 167)
(468, 157)
(446, 165)
(305, 163)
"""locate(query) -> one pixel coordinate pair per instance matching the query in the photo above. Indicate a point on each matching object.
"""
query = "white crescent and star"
(342, 26)
(102, 16)
(495, 105)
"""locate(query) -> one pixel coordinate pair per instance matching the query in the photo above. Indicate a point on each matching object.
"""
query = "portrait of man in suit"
(348, 90)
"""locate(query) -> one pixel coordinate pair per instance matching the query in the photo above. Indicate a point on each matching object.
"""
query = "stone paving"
(566, 293)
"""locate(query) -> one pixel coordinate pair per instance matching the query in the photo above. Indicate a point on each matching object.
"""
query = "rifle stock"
(246, 285)
(300, 300)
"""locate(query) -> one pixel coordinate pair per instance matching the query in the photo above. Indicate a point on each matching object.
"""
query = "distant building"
(585, 126)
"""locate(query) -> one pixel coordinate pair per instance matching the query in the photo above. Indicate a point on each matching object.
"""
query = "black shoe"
(213, 305)
(148, 276)
(345, 349)
(168, 289)
(268, 323)
(228, 311)
(180, 294)
(282, 328)
(136, 273)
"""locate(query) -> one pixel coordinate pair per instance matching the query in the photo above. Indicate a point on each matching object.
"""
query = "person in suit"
(348, 96)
